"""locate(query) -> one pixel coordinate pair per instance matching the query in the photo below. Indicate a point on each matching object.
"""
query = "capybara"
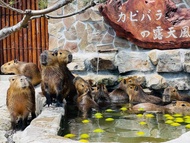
(172, 94)
(119, 94)
(54, 80)
(65, 57)
(101, 95)
(181, 107)
(137, 95)
(30, 70)
(81, 85)
(20, 100)
(85, 103)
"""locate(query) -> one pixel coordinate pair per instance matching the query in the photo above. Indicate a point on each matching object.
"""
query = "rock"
(153, 56)
(101, 64)
(181, 83)
(156, 81)
(169, 61)
(149, 24)
(133, 61)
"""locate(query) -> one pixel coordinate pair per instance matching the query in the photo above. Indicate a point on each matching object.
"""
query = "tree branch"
(11, 8)
(69, 15)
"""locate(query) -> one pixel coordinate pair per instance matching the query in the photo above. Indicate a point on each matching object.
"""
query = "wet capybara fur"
(20, 100)
(30, 70)
(54, 80)
(85, 103)
(65, 57)
(101, 96)
(172, 94)
(137, 95)
(119, 94)
(81, 85)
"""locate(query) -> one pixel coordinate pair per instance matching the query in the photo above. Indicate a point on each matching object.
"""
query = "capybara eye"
(131, 87)
(60, 53)
(174, 90)
(124, 81)
(9, 63)
(13, 79)
(129, 81)
(183, 105)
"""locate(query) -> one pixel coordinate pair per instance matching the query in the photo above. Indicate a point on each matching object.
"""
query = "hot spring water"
(118, 125)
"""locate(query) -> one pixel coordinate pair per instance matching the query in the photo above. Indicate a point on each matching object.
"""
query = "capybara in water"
(54, 80)
(119, 94)
(20, 100)
(172, 94)
(137, 95)
(101, 96)
(65, 57)
(181, 107)
(84, 96)
(85, 103)
(81, 85)
(29, 70)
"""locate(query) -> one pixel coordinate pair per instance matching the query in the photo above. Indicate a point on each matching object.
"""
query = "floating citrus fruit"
(187, 121)
(149, 115)
(188, 126)
(141, 109)
(139, 115)
(177, 115)
(169, 121)
(123, 109)
(85, 121)
(83, 141)
(109, 119)
(179, 120)
(109, 110)
(142, 123)
(140, 133)
(169, 118)
(84, 136)
(98, 114)
(69, 135)
(98, 130)
(175, 124)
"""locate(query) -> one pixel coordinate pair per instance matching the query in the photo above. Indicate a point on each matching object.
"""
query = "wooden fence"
(26, 44)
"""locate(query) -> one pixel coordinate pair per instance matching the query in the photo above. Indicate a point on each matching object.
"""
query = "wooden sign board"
(152, 24)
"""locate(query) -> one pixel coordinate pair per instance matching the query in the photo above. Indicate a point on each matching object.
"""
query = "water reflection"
(125, 128)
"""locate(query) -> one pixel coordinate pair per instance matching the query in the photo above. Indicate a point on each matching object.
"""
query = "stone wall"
(92, 41)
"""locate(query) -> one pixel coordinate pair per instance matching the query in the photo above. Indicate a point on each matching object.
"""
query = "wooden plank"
(12, 41)
(34, 36)
(47, 35)
(20, 55)
(30, 56)
(16, 35)
(25, 37)
(8, 38)
(43, 33)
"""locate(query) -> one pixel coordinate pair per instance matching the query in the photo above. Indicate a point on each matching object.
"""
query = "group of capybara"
(58, 83)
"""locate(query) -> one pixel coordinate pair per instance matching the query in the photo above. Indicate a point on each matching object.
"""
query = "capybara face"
(132, 90)
(9, 67)
(182, 104)
(169, 94)
(48, 57)
(81, 85)
(64, 56)
(20, 81)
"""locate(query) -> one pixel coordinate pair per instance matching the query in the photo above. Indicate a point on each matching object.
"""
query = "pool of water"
(124, 128)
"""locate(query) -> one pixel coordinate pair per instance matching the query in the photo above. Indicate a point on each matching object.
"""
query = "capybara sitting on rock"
(84, 96)
(54, 81)
(137, 95)
(20, 100)
(65, 57)
(172, 94)
(30, 70)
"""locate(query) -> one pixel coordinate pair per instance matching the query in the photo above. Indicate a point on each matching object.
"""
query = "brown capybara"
(54, 80)
(30, 70)
(20, 100)
(65, 57)
(137, 95)
(101, 95)
(172, 94)
(181, 107)
(81, 85)
(119, 94)
(85, 103)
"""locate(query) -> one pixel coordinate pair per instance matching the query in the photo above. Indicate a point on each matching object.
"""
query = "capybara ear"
(15, 61)
(176, 87)
(136, 88)
(55, 52)
(174, 103)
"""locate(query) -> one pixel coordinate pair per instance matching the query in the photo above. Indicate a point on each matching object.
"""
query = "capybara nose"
(43, 59)
(165, 98)
(70, 58)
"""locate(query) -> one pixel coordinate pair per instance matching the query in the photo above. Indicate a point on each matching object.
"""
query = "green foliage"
(12, 2)
(42, 4)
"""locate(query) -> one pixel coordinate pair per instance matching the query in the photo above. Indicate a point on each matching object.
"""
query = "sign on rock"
(152, 24)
